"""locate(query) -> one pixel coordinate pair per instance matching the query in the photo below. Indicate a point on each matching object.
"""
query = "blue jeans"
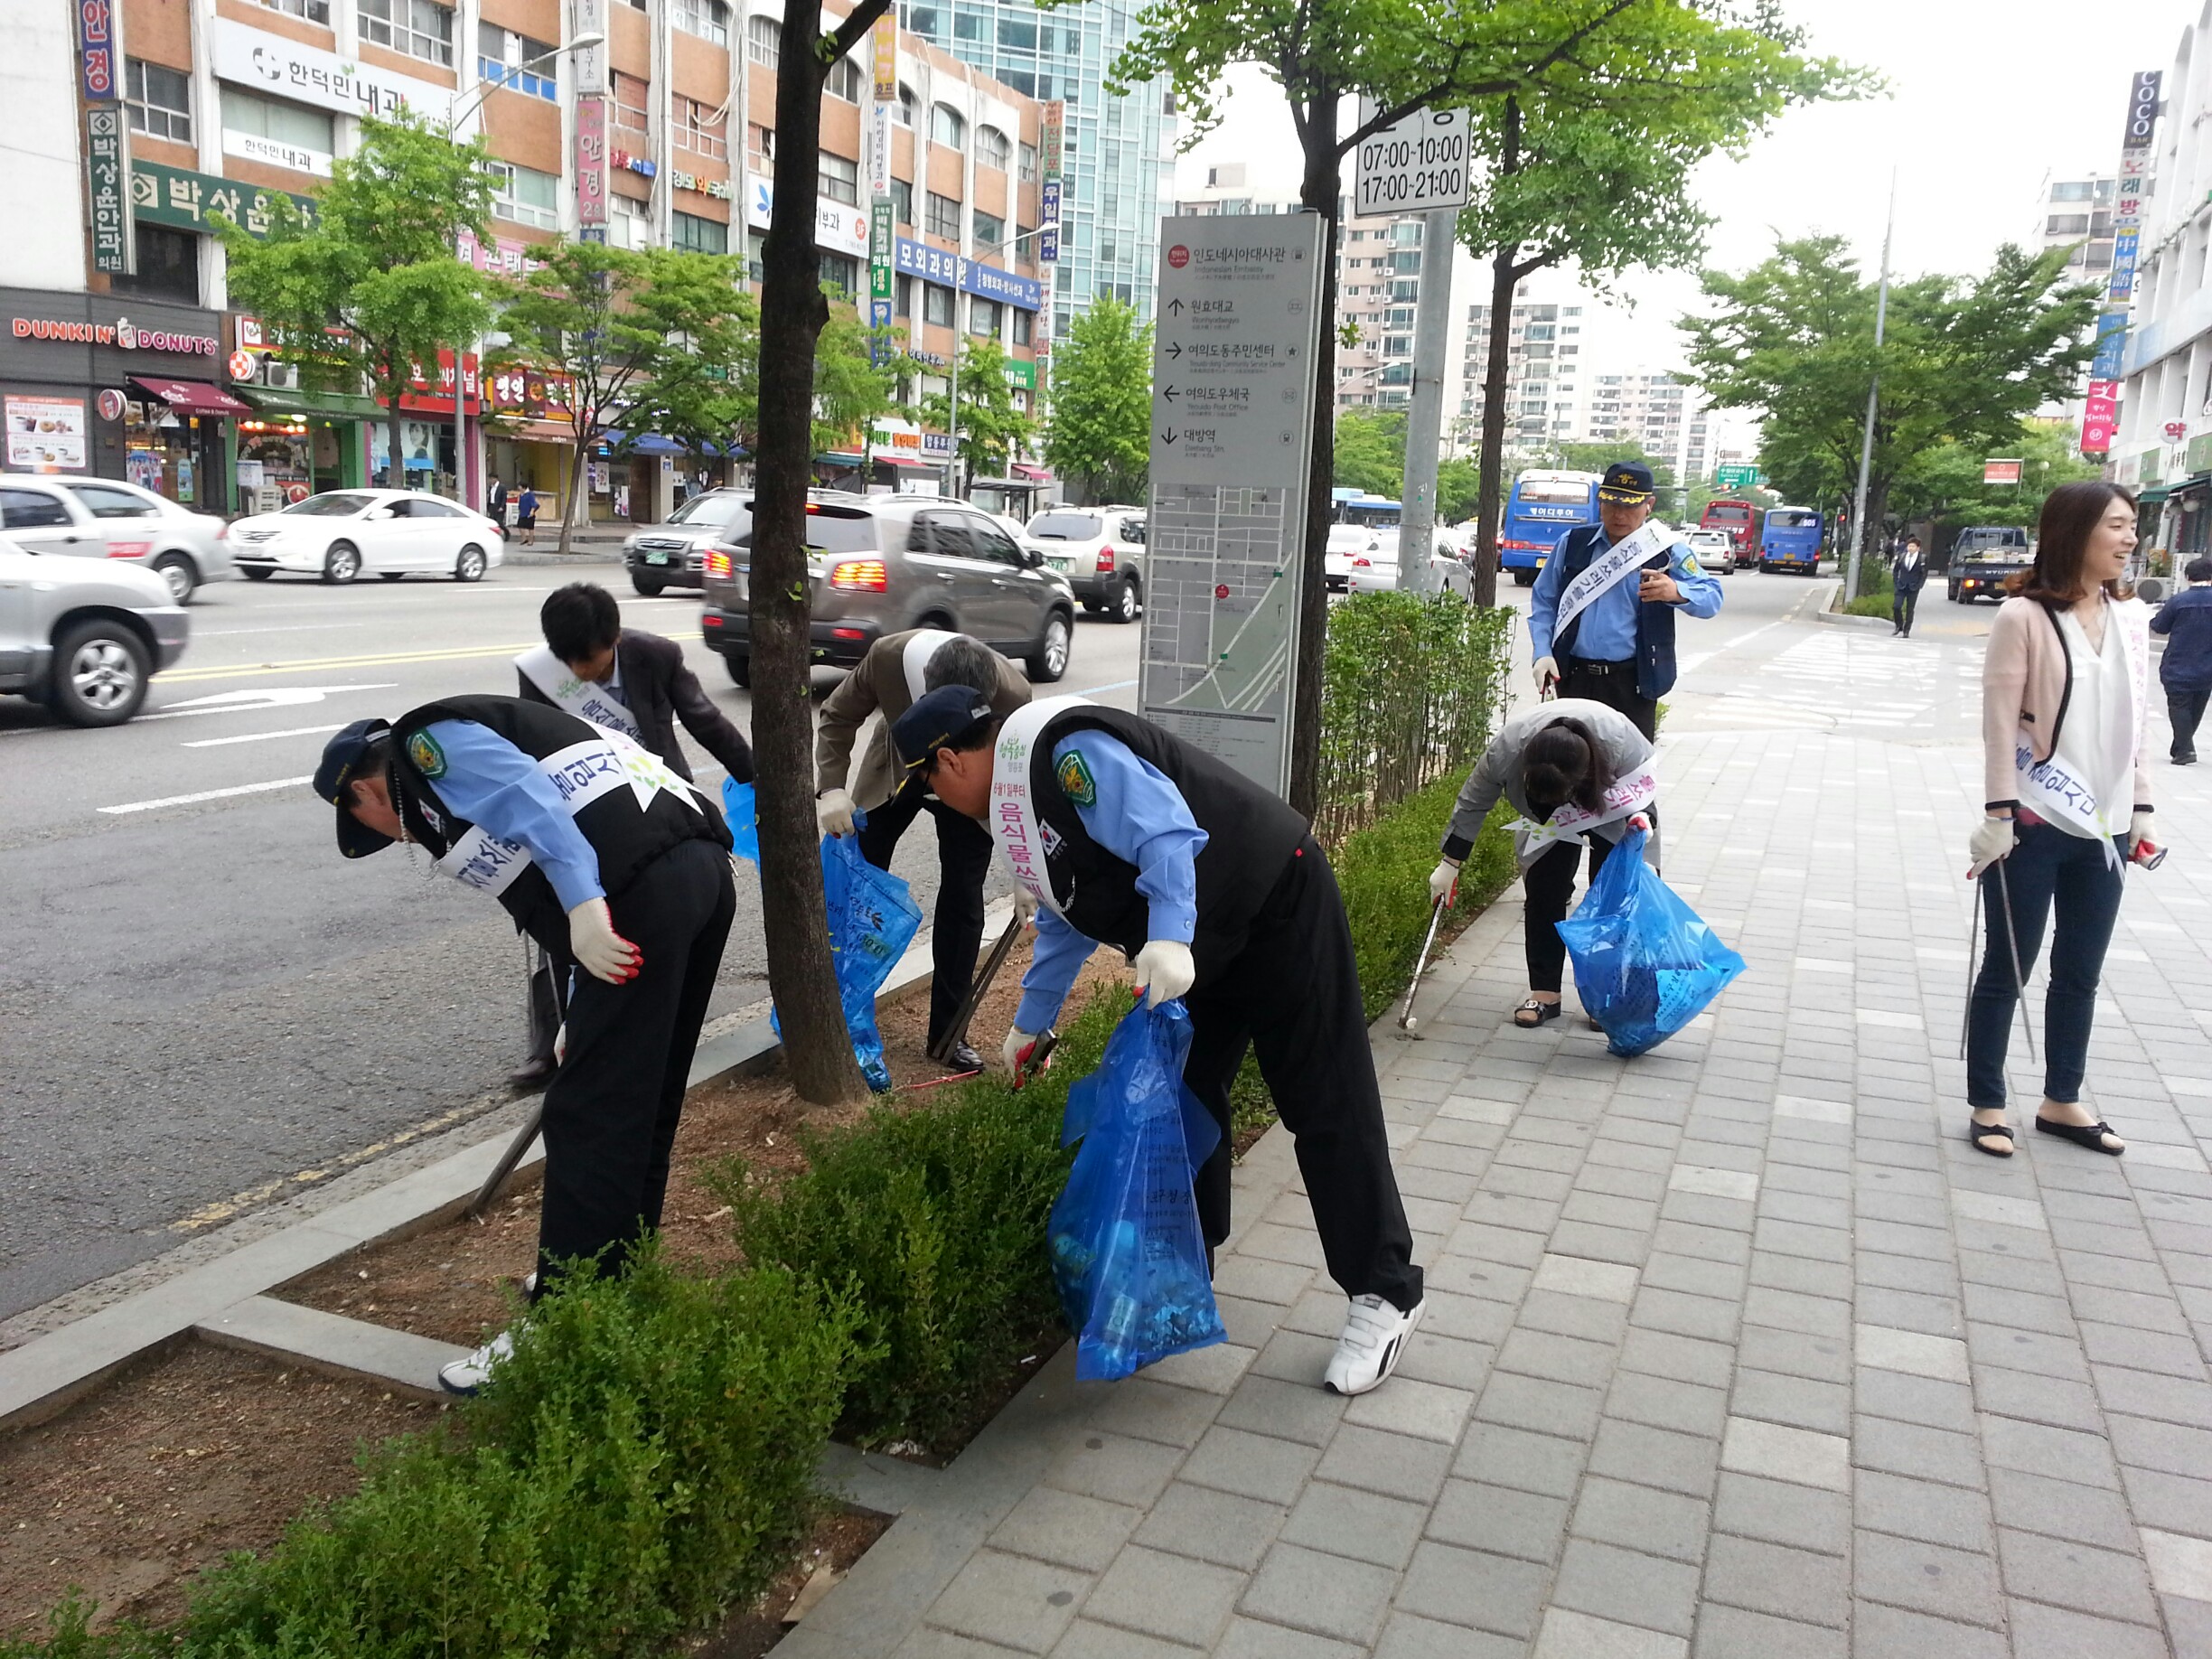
(2049, 869)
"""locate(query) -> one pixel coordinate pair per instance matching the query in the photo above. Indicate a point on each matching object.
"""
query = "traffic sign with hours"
(1232, 417)
(1414, 165)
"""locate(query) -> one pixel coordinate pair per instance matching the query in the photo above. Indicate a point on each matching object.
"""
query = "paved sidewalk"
(1735, 1350)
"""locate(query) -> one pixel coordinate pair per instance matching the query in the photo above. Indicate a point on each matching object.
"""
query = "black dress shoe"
(533, 1073)
(964, 1059)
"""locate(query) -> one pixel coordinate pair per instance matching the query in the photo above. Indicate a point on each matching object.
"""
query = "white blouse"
(2095, 740)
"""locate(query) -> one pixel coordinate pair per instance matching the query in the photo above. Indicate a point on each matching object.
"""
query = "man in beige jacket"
(898, 670)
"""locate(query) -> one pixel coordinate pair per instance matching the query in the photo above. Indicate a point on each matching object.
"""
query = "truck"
(1983, 558)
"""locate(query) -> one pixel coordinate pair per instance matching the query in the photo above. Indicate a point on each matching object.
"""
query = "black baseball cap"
(939, 719)
(333, 778)
(1624, 484)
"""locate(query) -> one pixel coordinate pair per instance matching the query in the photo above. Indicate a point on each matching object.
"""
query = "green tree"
(1370, 451)
(1945, 486)
(1962, 360)
(991, 430)
(1101, 403)
(1628, 60)
(855, 380)
(1458, 490)
(651, 339)
(373, 288)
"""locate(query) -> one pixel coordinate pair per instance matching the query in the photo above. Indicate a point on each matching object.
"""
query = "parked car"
(1981, 557)
(1374, 568)
(1347, 542)
(101, 518)
(1100, 550)
(880, 564)
(84, 638)
(1715, 550)
(674, 554)
(339, 534)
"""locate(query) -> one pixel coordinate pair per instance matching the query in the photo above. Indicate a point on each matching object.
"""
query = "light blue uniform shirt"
(1607, 633)
(1140, 816)
(491, 783)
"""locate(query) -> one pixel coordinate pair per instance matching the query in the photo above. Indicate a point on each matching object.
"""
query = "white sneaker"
(472, 1371)
(1374, 1335)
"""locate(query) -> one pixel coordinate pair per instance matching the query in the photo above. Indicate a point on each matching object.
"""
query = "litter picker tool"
(2020, 980)
(1406, 1022)
(956, 1033)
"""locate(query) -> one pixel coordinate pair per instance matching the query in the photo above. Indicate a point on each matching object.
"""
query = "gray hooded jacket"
(1621, 749)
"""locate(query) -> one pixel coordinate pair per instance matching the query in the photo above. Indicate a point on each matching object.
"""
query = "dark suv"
(880, 564)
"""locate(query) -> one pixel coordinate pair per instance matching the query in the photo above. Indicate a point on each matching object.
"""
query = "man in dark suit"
(1905, 581)
(628, 681)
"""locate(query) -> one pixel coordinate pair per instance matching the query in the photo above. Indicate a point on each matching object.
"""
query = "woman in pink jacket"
(2064, 688)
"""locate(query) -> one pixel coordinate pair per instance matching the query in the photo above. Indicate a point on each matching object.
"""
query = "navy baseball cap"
(939, 719)
(1625, 484)
(333, 778)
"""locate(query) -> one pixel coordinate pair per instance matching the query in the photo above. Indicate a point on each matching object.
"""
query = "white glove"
(1444, 883)
(1547, 675)
(598, 949)
(1991, 840)
(1024, 907)
(2139, 832)
(1637, 820)
(833, 811)
(1165, 969)
(1015, 1052)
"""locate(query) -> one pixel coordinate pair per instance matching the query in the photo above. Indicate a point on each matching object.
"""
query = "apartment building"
(661, 134)
(2076, 213)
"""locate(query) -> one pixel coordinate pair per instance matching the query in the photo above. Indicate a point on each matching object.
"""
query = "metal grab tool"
(1406, 1022)
(956, 1033)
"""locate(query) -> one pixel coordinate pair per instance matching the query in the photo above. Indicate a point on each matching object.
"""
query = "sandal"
(2090, 1135)
(1541, 1009)
(1981, 1134)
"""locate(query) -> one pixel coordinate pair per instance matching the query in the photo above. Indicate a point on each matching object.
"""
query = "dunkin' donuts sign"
(122, 333)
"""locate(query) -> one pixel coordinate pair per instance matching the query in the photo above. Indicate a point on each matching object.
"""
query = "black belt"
(1590, 665)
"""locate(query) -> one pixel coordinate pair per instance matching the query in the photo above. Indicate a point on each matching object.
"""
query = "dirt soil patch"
(837, 1541)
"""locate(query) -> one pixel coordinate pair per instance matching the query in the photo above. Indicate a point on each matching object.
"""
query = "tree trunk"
(396, 478)
(578, 493)
(1318, 194)
(817, 1046)
(1490, 467)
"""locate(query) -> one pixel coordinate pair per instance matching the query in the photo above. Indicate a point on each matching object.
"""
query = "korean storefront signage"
(508, 259)
(121, 333)
(2100, 416)
(886, 39)
(720, 189)
(111, 241)
(937, 265)
(265, 62)
(588, 64)
(274, 152)
(44, 435)
(882, 234)
(591, 157)
(437, 398)
(529, 394)
(1048, 222)
(97, 51)
(1020, 371)
(879, 149)
(1051, 137)
(175, 196)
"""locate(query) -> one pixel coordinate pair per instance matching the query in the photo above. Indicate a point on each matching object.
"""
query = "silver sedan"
(83, 638)
(107, 518)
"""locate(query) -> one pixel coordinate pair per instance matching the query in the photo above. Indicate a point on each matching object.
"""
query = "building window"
(904, 114)
(313, 11)
(1397, 345)
(168, 265)
(845, 81)
(160, 101)
(628, 117)
(524, 196)
(281, 124)
(501, 54)
(944, 217)
(2067, 224)
(1025, 326)
(923, 19)
(419, 28)
(989, 230)
(693, 234)
(840, 179)
(1029, 156)
(936, 305)
(760, 146)
(706, 19)
(983, 318)
(901, 302)
(631, 223)
(948, 126)
(763, 41)
(902, 203)
(698, 131)
(840, 274)
(993, 149)
(2074, 189)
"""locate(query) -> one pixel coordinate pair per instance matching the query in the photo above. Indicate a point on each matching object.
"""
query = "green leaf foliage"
(991, 430)
(856, 375)
(1102, 410)
(1371, 450)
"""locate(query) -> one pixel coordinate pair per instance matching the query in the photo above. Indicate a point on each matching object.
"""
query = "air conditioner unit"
(279, 376)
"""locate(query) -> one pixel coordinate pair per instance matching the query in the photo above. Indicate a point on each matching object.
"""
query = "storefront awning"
(190, 397)
(659, 444)
(339, 406)
(532, 431)
(839, 457)
(1032, 475)
(2150, 494)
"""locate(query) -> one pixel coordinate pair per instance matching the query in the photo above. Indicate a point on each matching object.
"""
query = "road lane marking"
(303, 665)
(290, 731)
(210, 794)
(1119, 685)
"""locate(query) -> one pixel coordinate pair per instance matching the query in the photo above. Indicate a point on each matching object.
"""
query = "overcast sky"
(1985, 99)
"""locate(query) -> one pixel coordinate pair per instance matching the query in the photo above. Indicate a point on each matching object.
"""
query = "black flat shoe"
(1542, 1010)
(1982, 1134)
(2090, 1135)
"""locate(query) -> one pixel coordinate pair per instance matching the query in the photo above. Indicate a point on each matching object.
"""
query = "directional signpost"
(1738, 477)
(1232, 413)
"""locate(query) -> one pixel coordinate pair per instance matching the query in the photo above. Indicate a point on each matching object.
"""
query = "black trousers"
(610, 1110)
(1901, 608)
(1614, 684)
(963, 860)
(2185, 709)
(1293, 995)
(1549, 886)
(545, 982)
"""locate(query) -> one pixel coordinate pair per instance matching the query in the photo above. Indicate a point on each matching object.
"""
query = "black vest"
(626, 837)
(1655, 625)
(1250, 835)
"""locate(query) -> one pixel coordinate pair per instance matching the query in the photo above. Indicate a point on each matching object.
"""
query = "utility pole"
(1425, 416)
(1866, 441)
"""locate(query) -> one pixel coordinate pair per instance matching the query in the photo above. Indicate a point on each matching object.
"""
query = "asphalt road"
(202, 1006)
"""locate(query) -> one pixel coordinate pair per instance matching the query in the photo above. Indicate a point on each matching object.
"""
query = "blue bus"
(1541, 508)
(1791, 541)
(1369, 511)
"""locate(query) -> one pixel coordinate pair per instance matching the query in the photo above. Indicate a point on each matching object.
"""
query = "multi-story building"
(1547, 382)
(1119, 164)
(2076, 213)
(1662, 412)
(227, 103)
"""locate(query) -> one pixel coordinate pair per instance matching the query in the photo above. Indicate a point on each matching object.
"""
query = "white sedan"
(340, 534)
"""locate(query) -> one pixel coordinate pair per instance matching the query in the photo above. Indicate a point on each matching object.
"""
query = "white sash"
(2049, 790)
(915, 657)
(1607, 568)
(484, 862)
(1017, 829)
(586, 699)
(1569, 822)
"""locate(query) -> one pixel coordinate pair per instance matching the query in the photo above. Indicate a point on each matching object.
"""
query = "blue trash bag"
(743, 816)
(873, 918)
(1127, 1253)
(1645, 964)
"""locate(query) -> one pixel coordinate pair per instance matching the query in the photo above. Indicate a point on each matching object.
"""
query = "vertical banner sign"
(588, 64)
(103, 165)
(1048, 222)
(1052, 138)
(97, 56)
(2100, 416)
(1052, 194)
(879, 149)
(880, 277)
(886, 58)
(1233, 410)
(590, 161)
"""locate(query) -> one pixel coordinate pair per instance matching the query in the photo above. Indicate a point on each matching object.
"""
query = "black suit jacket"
(660, 690)
(1905, 581)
